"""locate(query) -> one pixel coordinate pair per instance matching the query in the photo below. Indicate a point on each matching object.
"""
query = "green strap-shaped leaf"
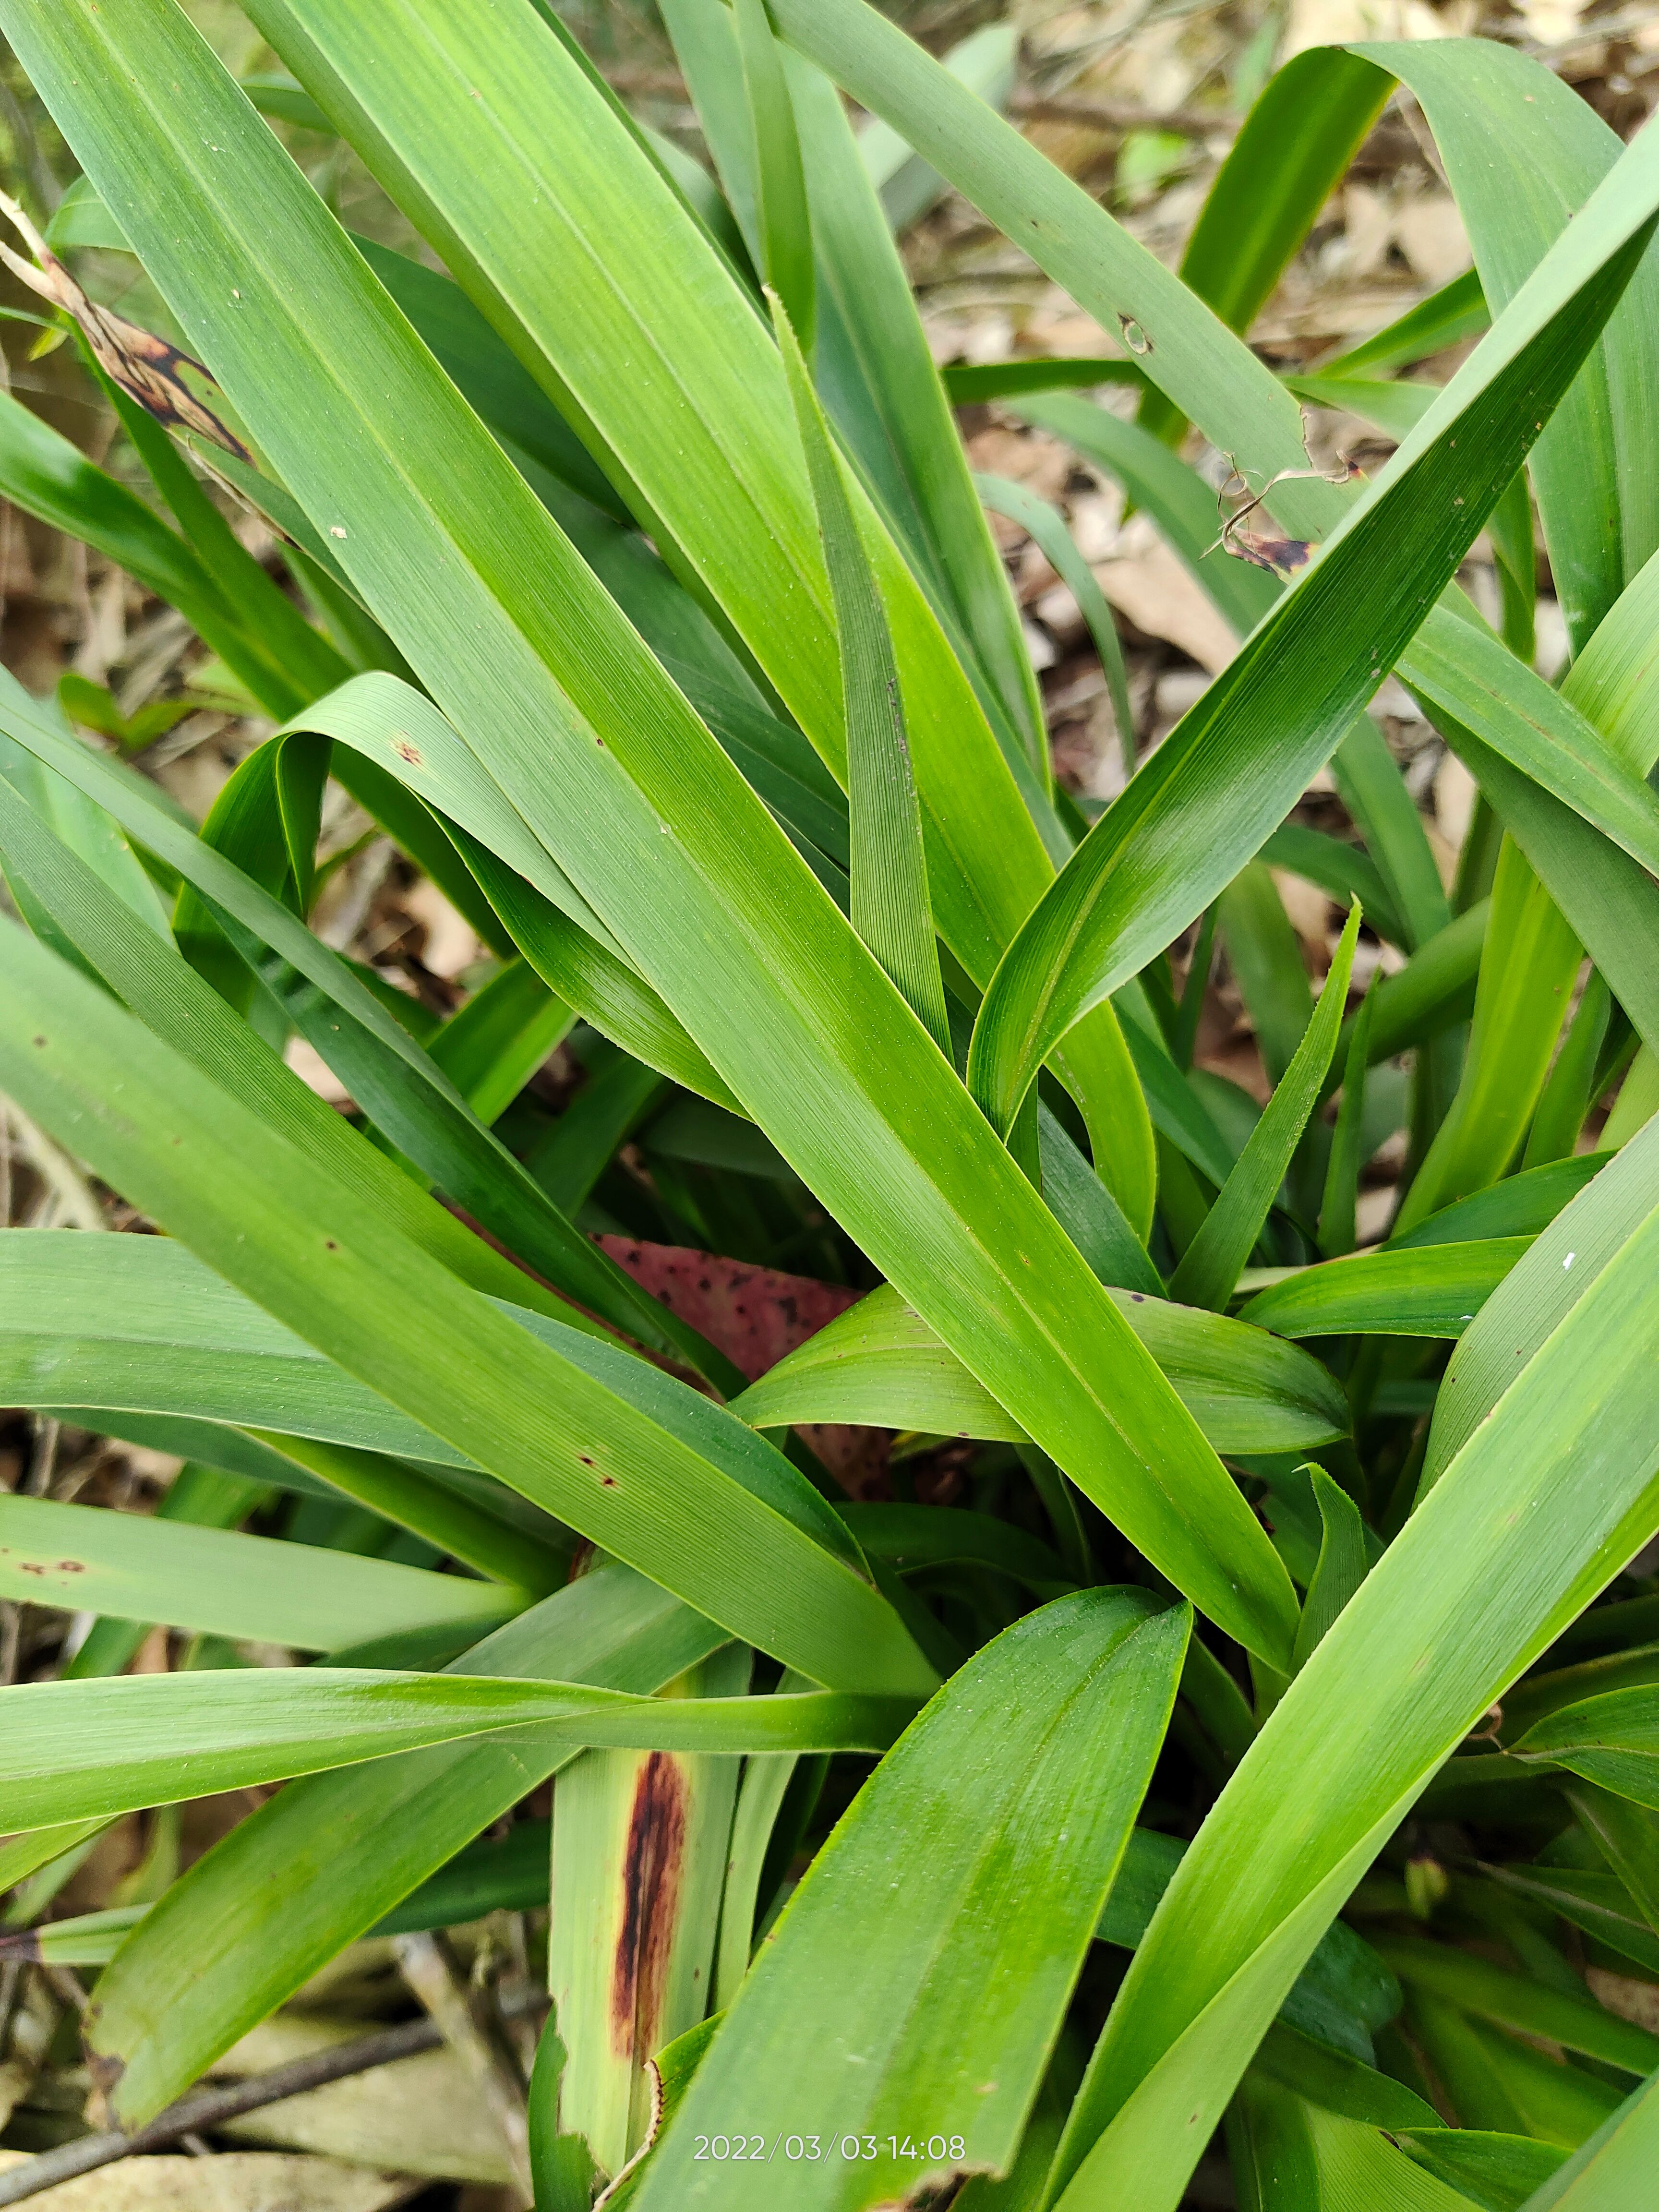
(1556, 1687)
(201, 1497)
(1289, 2154)
(1456, 311)
(909, 1536)
(1597, 1902)
(1434, 1290)
(631, 789)
(879, 383)
(1495, 711)
(374, 1054)
(1546, 1501)
(785, 222)
(488, 372)
(1344, 1563)
(213, 1580)
(879, 1364)
(48, 477)
(1047, 530)
(1175, 495)
(266, 820)
(1343, 1993)
(1522, 153)
(144, 971)
(1613, 2170)
(1498, 2084)
(140, 1339)
(19, 1856)
(1527, 967)
(191, 1156)
(1491, 2168)
(1215, 379)
(1627, 1837)
(1404, 537)
(77, 1750)
(1516, 2001)
(1566, 1096)
(1265, 957)
(760, 1796)
(1584, 1238)
(145, 1325)
(1291, 154)
(1613, 1740)
(654, 343)
(301, 660)
(986, 60)
(1521, 1206)
(89, 832)
(492, 1047)
(1340, 1203)
(1060, 1719)
(1612, 678)
(662, 321)
(890, 907)
(330, 1855)
(967, 383)
(576, 1149)
(1217, 1255)
(1371, 788)
(604, 989)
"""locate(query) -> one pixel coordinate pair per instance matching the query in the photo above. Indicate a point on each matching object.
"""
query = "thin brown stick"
(206, 2108)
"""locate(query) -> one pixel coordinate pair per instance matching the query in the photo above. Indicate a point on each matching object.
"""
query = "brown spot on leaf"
(652, 1863)
(405, 751)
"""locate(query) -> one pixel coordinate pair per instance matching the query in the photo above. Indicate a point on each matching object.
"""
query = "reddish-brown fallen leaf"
(757, 1316)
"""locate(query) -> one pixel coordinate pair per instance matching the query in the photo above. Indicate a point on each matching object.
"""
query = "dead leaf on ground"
(420, 2115)
(1632, 2000)
(1160, 598)
(234, 2181)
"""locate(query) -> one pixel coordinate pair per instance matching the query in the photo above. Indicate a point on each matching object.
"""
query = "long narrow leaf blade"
(892, 910)
(1215, 1257)
(629, 791)
(1060, 1717)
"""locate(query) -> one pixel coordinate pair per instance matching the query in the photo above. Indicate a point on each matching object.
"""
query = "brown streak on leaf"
(652, 1865)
